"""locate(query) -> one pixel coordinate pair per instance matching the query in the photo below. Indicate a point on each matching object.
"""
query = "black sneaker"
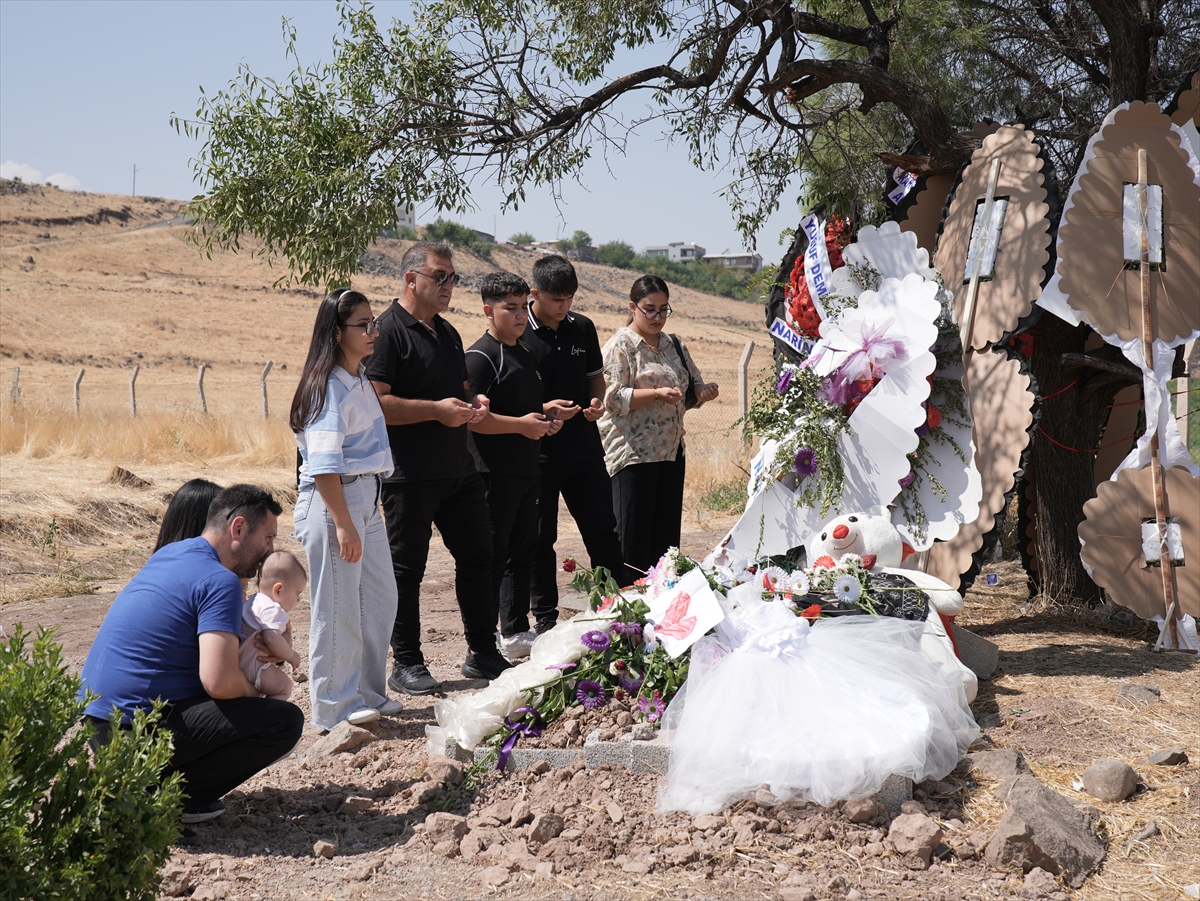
(545, 626)
(187, 838)
(202, 813)
(488, 665)
(413, 680)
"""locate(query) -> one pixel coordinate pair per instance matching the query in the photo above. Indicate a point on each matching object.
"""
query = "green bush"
(728, 497)
(616, 253)
(522, 238)
(458, 235)
(74, 825)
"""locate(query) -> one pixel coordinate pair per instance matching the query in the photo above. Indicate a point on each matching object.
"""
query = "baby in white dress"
(266, 614)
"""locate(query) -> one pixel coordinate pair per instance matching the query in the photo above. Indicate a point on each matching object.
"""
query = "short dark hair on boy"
(248, 501)
(554, 274)
(499, 285)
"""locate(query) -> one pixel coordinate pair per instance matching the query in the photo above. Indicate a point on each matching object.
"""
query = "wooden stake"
(1156, 473)
(78, 379)
(133, 390)
(969, 305)
(200, 388)
(263, 382)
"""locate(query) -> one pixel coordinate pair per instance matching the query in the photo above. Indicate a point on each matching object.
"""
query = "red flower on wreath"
(801, 310)
(811, 612)
(824, 562)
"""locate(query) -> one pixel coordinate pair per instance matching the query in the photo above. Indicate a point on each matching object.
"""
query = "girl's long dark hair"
(188, 512)
(309, 399)
(643, 288)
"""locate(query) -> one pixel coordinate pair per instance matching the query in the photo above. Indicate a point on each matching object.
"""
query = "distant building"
(583, 255)
(676, 252)
(406, 218)
(750, 261)
(484, 236)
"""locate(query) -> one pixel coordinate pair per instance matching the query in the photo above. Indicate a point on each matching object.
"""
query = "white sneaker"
(390, 707)
(516, 646)
(362, 716)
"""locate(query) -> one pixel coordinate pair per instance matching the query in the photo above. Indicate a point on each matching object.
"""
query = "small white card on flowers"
(684, 613)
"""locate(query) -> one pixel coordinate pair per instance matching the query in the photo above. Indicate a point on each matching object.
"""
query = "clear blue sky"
(86, 90)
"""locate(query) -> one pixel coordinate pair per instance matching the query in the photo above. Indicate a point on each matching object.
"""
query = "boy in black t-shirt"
(507, 449)
(567, 351)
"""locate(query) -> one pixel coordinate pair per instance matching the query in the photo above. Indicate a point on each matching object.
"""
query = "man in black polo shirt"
(568, 354)
(419, 373)
(507, 449)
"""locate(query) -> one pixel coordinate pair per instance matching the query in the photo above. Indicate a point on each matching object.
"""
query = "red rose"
(569, 565)
(933, 417)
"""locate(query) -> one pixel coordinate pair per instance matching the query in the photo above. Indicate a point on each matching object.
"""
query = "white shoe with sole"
(515, 647)
(390, 707)
(363, 716)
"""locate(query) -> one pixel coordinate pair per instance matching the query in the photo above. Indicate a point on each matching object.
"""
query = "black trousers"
(587, 490)
(221, 744)
(648, 504)
(458, 507)
(513, 509)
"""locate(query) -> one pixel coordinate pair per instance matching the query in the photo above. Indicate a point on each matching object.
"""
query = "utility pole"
(135, 179)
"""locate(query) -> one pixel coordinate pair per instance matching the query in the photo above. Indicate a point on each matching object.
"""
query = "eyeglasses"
(441, 278)
(263, 498)
(655, 314)
(372, 327)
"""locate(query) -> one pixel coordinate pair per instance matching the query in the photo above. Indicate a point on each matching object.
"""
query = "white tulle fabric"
(817, 714)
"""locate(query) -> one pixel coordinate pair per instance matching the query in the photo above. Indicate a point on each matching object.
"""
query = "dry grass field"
(106, 283)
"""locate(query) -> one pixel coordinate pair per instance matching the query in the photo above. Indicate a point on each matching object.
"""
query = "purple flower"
(784, 381)
(806, 462)
(631, 683)
(627, 630)
(596, 640)
(590, 694)
(908, 479)
(652, 708)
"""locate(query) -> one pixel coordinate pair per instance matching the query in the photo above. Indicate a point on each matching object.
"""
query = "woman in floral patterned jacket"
(648, 374)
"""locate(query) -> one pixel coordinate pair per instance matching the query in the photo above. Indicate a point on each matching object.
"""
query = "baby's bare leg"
(275, 683)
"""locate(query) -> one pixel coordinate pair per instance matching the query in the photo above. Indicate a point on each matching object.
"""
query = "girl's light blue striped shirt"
(348, 436)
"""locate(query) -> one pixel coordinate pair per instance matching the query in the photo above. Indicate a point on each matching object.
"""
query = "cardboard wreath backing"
(1024, 241)
(1002, 407)
(928, 207)
(1187, 104)
(1112, 540)
(1091, 245)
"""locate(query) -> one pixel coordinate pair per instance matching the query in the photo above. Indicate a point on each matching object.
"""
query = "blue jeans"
(353, 604)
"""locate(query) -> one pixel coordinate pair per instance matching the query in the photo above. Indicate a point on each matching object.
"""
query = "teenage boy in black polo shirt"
(420, 375)
(568, 354)
(507, 449)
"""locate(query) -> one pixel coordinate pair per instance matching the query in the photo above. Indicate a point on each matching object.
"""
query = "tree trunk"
(1071, 415)
(1131, 37)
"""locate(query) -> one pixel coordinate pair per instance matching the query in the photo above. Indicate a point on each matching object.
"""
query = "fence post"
(200, 388)
(78, 379)
(133, 390)
(744, 379)
(16, 385)
(263, 382)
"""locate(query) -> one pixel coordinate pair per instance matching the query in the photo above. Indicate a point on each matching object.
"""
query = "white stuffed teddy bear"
(871, 535)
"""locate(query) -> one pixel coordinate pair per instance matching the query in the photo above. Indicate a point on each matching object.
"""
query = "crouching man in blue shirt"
(173, 632)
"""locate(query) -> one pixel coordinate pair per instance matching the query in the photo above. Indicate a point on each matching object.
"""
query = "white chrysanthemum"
(847, 588)
(798, 583)
(773, 579)
(850, 561)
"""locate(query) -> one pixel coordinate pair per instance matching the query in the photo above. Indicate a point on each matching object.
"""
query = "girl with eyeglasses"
(344, 447)
(652, 380)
